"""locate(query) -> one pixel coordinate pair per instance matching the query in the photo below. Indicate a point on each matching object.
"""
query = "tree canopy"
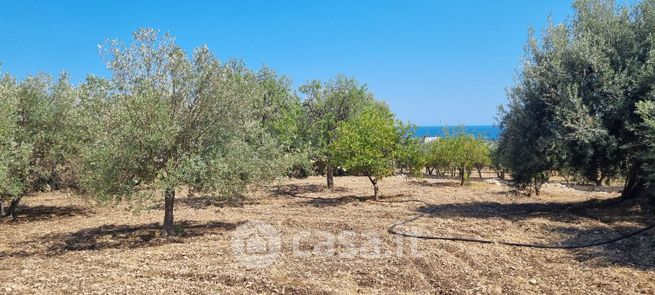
(328, 104)
(39, 141)
(169, 120)
(410, 154)
(573, 106)
(459, 152)
(367, 144)
(13, 155)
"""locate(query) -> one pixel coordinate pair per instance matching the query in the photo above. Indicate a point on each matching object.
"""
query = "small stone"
(532, 281)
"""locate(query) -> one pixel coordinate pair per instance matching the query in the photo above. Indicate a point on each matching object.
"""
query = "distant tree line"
(457, 155)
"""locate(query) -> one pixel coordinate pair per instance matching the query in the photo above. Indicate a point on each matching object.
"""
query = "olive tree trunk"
(635, 185)
(330, 176)
(169, 202)
(376, 189)
(537, 188)
(13, 208)
(599, 181)
(500, 173)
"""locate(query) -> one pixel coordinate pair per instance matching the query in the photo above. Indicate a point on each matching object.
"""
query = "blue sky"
(434, 62)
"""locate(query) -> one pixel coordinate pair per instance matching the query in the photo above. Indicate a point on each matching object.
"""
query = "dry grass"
(62, 244)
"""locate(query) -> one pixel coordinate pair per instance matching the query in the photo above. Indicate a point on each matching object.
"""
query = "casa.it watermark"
(257, 244)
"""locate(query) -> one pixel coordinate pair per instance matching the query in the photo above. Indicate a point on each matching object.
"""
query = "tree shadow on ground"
(46, 212)
(606, 211)
(18, 254)
(592, 188)
(338, 201)
(202, 202)
(636, 251)
(343, 200)
(446, 183)
(298, 191)
(127, 236)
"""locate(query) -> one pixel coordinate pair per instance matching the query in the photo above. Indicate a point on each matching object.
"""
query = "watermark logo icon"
(256, 244)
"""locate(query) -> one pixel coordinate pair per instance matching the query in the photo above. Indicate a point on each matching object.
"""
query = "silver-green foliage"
(39, 136)
(13, 154)
(280, 111)
(166, 120)
(573, 105)
(410, 154)
(327, 105)
(646, 109)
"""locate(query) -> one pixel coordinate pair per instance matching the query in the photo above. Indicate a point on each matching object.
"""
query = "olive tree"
(573, 107)
(646, 110)
(6, 141)
(459, 152)
(41, 138)
(13, 153)
(367, 145)
(327, 105)
(410, 153)
(481, 155)
(496, 160)
(169, 121)
(462, 148)
(280, 112)
(47, 120)
(437, 157)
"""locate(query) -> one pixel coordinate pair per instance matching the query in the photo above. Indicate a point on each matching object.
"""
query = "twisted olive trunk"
(169, 202)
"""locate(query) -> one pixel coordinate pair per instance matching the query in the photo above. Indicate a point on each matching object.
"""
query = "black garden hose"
(392, 230)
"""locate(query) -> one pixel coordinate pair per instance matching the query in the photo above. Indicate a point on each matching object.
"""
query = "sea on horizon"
(486, 131)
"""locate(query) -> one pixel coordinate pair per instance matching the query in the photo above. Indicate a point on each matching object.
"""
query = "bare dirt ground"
(63, 244)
